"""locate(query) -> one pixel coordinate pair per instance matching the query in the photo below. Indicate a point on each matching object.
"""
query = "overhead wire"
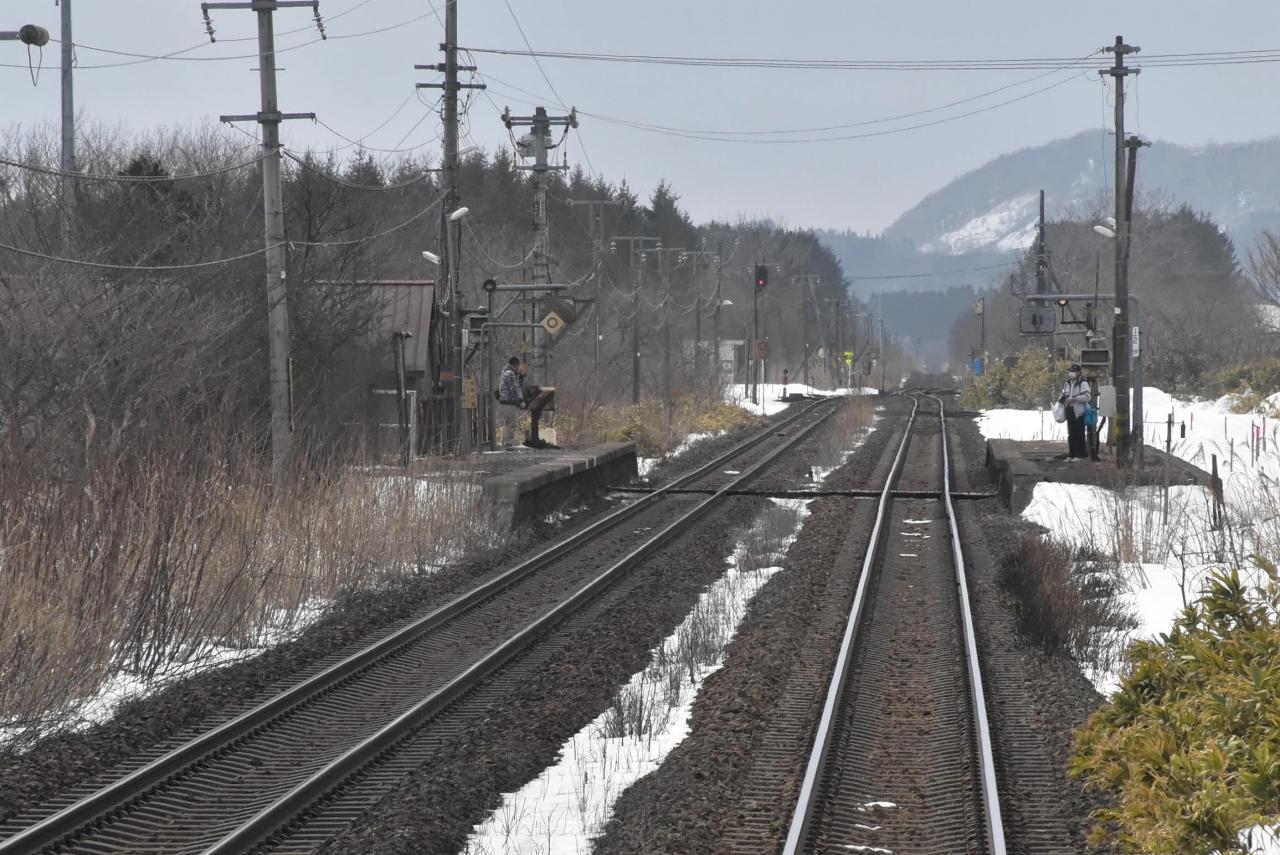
(99, 265)
(863, 135)
(342, 182)
(126, 179)
(543, 72)
(180, 55)
(981, 64)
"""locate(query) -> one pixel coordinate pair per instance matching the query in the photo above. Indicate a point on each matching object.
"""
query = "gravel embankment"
(690, 803)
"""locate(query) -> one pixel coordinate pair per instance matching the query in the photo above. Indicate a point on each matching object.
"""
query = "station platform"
(526, 483)
(1019, 465)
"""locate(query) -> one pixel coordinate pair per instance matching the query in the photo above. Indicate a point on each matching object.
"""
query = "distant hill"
(994, 207)
(971, 232)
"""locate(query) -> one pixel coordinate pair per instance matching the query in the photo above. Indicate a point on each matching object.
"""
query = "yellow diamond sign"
(553, 324)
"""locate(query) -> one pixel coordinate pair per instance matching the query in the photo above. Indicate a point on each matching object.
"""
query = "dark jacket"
(511, 387)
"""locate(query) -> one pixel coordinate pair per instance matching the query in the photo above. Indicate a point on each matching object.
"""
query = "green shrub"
(1259, 378)
(1031, 379)
(1189, 747)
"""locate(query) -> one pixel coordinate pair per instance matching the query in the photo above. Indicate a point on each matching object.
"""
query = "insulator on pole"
(30, 34)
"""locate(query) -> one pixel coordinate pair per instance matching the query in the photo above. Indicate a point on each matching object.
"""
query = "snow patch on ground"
(564, 808)
(770, 395)
(1167, 555)
(125, 685)
(644, 465)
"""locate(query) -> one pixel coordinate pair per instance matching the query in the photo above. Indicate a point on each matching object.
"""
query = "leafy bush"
(1189, 747)
(1031, 379)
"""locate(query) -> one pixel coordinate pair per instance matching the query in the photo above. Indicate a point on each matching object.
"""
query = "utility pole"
(68, 128)
(537, 145)
(450, 223)
(638, 248)
(884, 358)
(269, 118)
(595, 230)
(721, 261)
(1120, 422)
(809, 280)
(1133, 143)
(1042, 266)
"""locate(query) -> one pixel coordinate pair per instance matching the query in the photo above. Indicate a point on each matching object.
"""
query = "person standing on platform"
(1076, 397)
(511, 401)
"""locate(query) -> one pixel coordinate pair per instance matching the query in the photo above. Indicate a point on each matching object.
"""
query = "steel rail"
(990, 789)
(69, 820)
(332, 776)
(807, 800)
(826, 725)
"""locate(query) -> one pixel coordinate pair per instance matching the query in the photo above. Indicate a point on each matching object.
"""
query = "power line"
(180, 55)
(647, 126)
(986, 64)
(333, 179)
(77, 262)
(560, 101)
(843, 137)
(126, 179)
(857, 277)
(99, 265)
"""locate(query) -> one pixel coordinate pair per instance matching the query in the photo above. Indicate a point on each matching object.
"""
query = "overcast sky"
(357, 84)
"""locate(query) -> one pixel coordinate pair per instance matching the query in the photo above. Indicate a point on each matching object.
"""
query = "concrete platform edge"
(545, 486)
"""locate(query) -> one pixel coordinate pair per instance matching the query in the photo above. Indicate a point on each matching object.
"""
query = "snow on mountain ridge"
(1005, 226)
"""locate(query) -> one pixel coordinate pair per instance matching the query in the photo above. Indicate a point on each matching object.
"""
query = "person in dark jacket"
(511, 401)
(1076, 396)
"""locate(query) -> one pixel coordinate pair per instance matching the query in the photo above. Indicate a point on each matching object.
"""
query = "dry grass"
(651, 425)
(136, 574)
(1070, 601)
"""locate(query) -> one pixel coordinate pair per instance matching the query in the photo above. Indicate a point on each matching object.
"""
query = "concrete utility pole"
(810, 280)
(68, 128)
(595, 230)
(538, 146)
(269, 117)
(721, 261)
(1134, 143)
(452, 303)
(639, 247)
(1120, 422)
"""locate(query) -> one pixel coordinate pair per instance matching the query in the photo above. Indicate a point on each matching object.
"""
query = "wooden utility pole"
(269, 118)
(1120, 422)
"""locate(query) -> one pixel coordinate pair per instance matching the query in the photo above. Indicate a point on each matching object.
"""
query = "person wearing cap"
(1076, 396)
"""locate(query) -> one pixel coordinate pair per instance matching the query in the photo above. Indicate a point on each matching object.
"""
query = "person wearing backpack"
(1076, 397)
(511, 401)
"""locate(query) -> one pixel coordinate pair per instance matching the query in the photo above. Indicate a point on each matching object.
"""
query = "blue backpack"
(1090, 415)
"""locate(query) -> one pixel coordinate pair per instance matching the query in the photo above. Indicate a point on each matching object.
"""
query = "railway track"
(902, 760)
(299, 766)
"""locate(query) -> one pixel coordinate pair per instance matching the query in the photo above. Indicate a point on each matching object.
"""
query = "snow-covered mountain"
(994, 207)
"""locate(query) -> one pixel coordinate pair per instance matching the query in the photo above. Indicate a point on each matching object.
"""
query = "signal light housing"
(762, 276)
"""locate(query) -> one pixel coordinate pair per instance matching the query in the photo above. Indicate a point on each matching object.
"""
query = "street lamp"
(28, 34)
(454, 297)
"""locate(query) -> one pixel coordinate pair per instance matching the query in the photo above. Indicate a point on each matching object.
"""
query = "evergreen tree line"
(1198, 309)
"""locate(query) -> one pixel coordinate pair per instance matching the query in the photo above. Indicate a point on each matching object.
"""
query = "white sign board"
(1135, 338)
